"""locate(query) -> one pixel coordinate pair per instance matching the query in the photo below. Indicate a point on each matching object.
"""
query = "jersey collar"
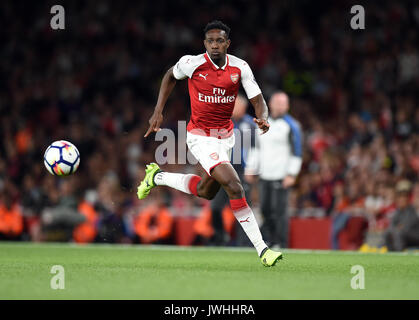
(215, 66)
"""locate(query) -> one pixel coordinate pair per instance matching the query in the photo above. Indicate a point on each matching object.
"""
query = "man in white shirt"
(277, 159)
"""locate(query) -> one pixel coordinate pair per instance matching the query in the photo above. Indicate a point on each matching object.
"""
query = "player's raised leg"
(188, 183)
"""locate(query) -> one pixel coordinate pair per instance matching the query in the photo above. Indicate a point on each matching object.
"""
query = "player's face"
(216, 43)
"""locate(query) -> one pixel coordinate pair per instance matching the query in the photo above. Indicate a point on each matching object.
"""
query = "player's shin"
(183, 182)
(246, 218)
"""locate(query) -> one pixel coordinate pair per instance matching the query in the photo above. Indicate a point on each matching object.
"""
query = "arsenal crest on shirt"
(234, 77)
(214, 156)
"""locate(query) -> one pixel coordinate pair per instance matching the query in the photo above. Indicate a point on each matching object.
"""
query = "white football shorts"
(210, 151)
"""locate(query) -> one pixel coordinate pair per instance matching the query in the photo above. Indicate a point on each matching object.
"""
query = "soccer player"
(214, 79)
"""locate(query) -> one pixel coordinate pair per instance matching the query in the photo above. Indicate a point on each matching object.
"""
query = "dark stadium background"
(95, 83)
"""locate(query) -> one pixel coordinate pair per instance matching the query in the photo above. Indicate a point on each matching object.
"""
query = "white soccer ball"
(61, 158)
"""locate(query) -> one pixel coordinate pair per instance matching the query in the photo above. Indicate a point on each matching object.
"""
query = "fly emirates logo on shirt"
(217, 97)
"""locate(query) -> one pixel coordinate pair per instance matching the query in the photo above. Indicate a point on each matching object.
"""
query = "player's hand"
(288, 181)
(155, 122)
(262, 124)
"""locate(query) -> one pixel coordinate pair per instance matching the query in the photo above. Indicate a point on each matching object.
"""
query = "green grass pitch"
(168, 273)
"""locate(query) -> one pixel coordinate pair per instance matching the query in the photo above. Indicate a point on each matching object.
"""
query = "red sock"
(244, 215)
(193, 184)
(238, 204)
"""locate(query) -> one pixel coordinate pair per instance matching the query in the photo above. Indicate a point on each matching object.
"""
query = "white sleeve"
(294, 166)
(183, 68)
(249, 82)
(252, 162)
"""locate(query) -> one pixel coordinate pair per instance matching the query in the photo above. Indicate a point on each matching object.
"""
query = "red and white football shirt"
(213, 91)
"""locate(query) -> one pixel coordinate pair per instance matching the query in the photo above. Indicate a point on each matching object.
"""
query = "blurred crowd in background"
(95, 84)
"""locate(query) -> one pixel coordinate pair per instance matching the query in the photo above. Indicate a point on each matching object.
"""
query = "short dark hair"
(216, 24)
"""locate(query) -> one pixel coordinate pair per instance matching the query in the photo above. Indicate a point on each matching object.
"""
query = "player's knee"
(205, 193)
(234, 189)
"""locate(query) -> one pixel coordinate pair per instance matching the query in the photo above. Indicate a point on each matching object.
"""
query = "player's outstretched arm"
(166, 87)
(261, 110)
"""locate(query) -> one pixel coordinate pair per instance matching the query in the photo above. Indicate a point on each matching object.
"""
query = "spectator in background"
(86, 232)
(61, 216)
(277, 159)
(33, 201)
(154, 224)
(403, 231)
(350, 205)
(110, 227)
(11, 219)
(203, 227)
